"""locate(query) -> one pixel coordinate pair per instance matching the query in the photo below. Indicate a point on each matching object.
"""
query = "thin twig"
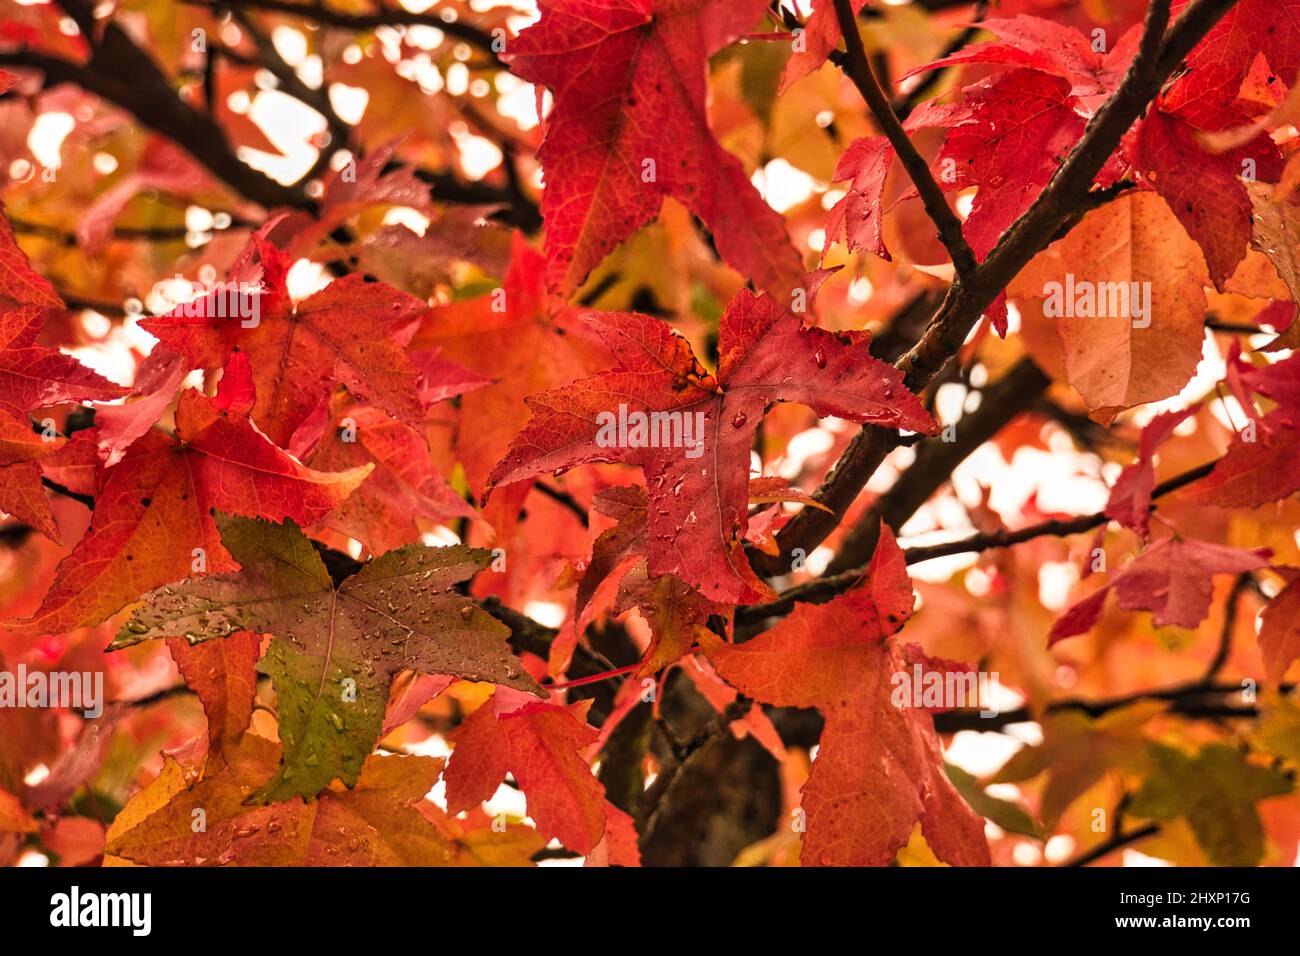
(858, 68)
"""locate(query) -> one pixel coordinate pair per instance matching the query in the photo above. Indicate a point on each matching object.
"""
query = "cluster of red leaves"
(262, 495)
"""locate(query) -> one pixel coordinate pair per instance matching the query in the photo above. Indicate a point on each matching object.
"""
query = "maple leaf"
(224, 676)
(673, 610)
(152, 522)
(1275, 231)
(1263, 463)
(1014, 134)
(157, 382)
(14, 818)
(629, 127)
(1278, 731)
(19, 282)
(1216, 791)
(337, 649)
(821, 34)
(614, 547)
(1203, 190)
(1045, 46)
(74, 465)
(403, 486)
(34, 376)
(1257, 468)
(376, 823)
(698, 496)
(1214, 70)
(879, 770)
(351, 332)
(1007, 138)
(1279, 630)
(540, 744)
(1171, 579)
(859, 215)
(482, 840)
(1119, 359)
(670, 607)
(500, 336)
(1077, 751)
(21, 453)
(1130, 497)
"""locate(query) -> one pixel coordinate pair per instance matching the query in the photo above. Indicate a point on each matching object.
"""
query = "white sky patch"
(291, 44)
(412, 219)
(517, 100)
(1065, 481)
(104, 163)
(507, 800)
(306, 278)
(546, 613)
(349, 102)
(860, 290)
(424, 36)
(819, 560)
(46, 137)
(980, 753)
(457, 79)
(111, 356)
(1026, 854)
(478, 156)
(783, 186)
(805, 445)
(831, 197)
(440, 537)
(277, 114)
(936, 570)
(1055, 579)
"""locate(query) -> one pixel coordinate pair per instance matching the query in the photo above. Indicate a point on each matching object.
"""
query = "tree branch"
(361, 22)
(824, 588)
(858, 68)
(936, 460)
(1065, 194)
(1118, 841)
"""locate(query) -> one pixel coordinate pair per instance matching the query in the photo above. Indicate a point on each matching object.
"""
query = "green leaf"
(1004, 813)
(1216, 791)
(335, 650)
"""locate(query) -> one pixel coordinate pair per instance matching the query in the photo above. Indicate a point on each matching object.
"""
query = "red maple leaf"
(1171, 579)
(880, 767)
(351, 332)
(152, 521)
(699, 489)
(1130, 497)
(500, 336)
(540, 744)
(403, 487)
(630, 127)
(21, 453)
(1263, 462)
